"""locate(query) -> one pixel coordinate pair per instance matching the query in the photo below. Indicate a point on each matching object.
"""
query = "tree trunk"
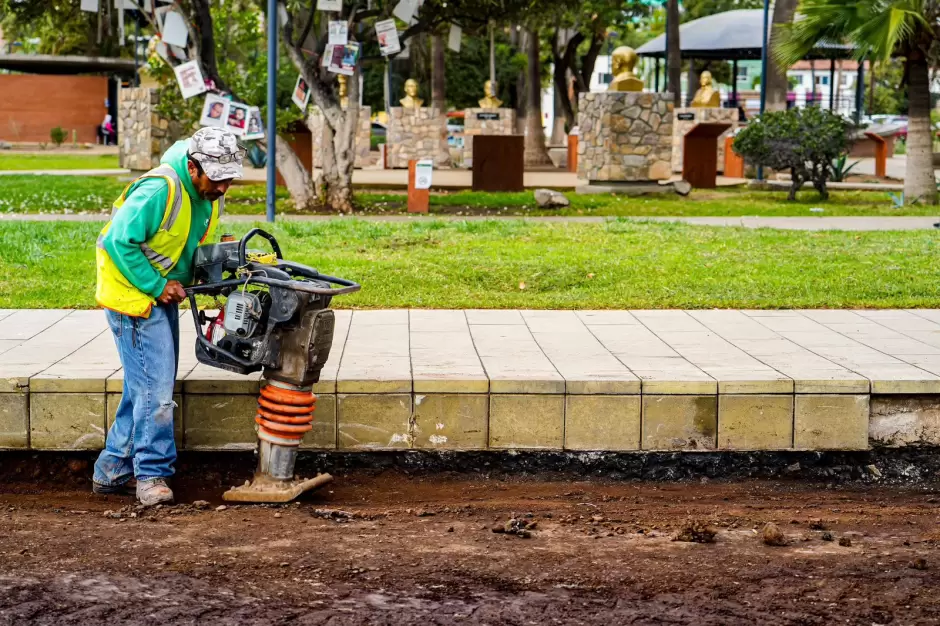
(535, 150)
(559, 120)
(674, 62)
(776, 80)
(297, 179)
(919, 182)
(693, 74)
(517, 40)
(438, 99)
(339, 151)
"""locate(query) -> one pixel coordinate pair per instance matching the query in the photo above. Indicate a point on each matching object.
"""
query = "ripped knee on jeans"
(165, 411)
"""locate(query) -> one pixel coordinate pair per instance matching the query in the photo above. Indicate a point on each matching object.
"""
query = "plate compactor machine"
(275, 318)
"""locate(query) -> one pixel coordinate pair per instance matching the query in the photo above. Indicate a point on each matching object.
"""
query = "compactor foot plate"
(265, 489)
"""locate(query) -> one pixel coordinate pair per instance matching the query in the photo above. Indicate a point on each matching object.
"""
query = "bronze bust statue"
(411, 99)
(624, 60)
(706, 96)
(490, 101)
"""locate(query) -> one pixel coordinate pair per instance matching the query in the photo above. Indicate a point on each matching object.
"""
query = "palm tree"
(880, 29)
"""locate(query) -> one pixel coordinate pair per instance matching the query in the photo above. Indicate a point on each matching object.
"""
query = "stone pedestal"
(317, 126)
(625, 137)
(416, 134)
(144, 135)
(485, 122)
(687, 118)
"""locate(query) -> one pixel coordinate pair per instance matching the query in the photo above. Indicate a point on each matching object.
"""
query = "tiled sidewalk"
(504, 379)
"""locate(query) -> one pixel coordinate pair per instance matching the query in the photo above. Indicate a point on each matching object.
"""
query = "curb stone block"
(680, 422)
(374, 421)
(602, 423)
(323, 435)
(14, 420)
(67, 421)
(451, 421)
(903, 421)
(219, 422)
(755, 422)
(831, 422)
(527, 421)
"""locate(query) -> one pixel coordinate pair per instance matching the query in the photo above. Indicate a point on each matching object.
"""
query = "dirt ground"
(396, 547)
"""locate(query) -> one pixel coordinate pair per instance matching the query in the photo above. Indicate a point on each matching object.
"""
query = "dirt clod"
(772, 536)
(221, 507)
(845, 542)
(278, 516)
(202, 505)
(918, 563)
(696, 531)
(826, 536)
(818, 524)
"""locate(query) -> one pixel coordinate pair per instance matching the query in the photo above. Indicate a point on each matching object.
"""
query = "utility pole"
(272, 109)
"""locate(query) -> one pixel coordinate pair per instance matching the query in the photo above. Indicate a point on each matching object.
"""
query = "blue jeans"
(140, 442)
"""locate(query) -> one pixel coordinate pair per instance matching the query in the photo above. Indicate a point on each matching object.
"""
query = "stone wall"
(144, 135)
(315, 123)
(505, 124)
(416, 134)
(625, 137)
(702, 115)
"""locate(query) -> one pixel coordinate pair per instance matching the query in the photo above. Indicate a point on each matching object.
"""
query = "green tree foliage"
(802, 140)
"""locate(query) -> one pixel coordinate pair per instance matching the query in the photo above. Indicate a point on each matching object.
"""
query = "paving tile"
(755, 422)
(376, 357)
(374, 421)
(224, 421)
(451, 421)
(513, 360)
(14, 420)
(500, 317)
(676, 422)
(831, 422)
(15, 378)
(205, 379)
(601, 318)
(898, 421)
(600, 422)
(27, 323)
(67, 421)
(444, 359)
(526, 421)
(58, 341)
(114, 399)
(8, 344)
(323, 435)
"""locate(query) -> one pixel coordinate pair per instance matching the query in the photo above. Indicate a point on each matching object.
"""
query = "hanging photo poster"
(301, 94)
(329, 5)
(405, 10)
(387, 35)
(214, 111)
(189, 78)
(339, 33)
(237, 119)
(327, 55)
(344, 58)
(255, 124)
(174, 30)
(90, 5)
(453, 37)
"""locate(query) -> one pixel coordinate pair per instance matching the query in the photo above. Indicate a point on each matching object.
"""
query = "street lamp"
(764, 52)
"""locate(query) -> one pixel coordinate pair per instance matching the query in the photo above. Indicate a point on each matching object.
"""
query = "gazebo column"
(656, 79)
(734, 83)
(859, 90)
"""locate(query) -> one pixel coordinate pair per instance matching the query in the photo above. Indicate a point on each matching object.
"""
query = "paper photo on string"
(387, 35)
(255, 128)
(344, 58)
(237, 119)
(214, 111)
(339, 33)
(301, 93)
(189, 77)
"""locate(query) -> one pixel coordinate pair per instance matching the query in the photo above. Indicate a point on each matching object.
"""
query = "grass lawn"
(57, 161)
(511, 263)
(34, 194)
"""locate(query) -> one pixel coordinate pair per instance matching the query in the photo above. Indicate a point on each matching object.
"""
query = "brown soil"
(391, 548)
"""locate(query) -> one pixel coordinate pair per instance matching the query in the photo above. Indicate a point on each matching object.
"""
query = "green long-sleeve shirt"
(141, 216)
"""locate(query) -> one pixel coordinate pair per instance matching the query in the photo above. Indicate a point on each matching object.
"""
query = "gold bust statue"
(624, 60)
(706, 96)
(411, 99)
(490, 101)
(343, 98)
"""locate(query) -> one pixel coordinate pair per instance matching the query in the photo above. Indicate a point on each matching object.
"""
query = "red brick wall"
(37, 104)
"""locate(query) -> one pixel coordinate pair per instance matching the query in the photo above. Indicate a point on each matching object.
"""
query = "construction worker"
(144, 259)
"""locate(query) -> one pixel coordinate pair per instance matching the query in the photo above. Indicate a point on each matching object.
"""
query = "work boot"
(153, 491)
(125, 489)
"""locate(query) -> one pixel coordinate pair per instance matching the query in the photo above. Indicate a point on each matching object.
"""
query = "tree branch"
(306, 32)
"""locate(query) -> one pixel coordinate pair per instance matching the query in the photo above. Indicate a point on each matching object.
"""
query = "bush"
(804, 141)
(58, 135)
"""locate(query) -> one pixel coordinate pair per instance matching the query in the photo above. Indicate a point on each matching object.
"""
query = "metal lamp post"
(272, 109)
(764, 53)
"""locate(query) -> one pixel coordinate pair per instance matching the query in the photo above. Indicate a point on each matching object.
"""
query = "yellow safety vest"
(163, 250)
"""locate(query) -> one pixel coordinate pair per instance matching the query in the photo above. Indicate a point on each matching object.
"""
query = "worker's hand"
(173, 292)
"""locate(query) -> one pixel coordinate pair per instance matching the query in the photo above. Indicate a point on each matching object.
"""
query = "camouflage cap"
(207, 145)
